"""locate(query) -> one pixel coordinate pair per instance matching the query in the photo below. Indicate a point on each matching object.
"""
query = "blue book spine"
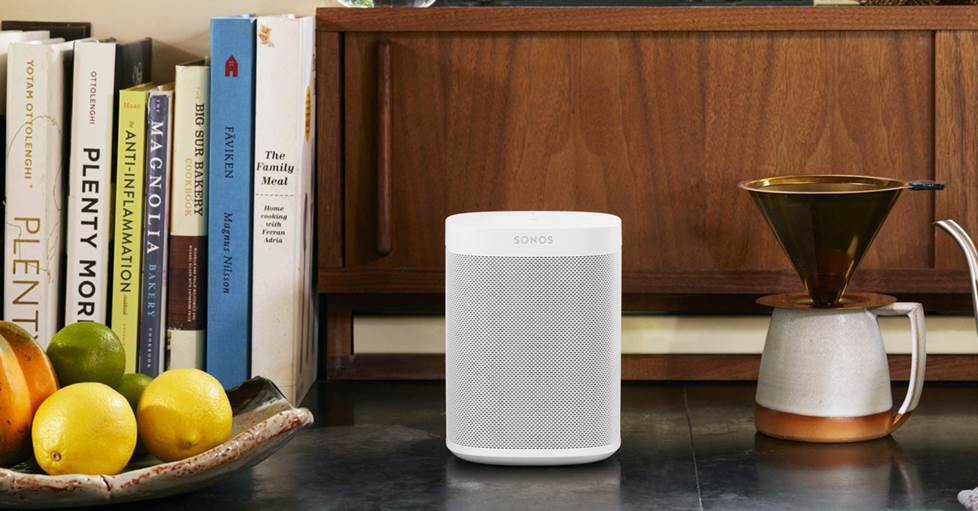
(232, 90)
(155, 233)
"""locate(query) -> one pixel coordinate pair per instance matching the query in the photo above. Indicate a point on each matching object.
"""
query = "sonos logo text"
(533, 240)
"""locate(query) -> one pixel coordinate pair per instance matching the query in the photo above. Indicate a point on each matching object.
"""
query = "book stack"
(180, 214)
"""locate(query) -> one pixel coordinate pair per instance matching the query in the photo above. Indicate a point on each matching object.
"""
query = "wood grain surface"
(656, 128)
(955, 139)
(653, 115)
(412, 281)
(329, 151)
(604, 19)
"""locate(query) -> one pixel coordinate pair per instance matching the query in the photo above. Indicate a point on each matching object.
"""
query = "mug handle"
(918, 355)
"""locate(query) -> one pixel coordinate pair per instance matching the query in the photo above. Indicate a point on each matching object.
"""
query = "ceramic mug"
(825, 378)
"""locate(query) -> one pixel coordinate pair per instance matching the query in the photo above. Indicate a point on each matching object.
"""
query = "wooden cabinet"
(651, 114)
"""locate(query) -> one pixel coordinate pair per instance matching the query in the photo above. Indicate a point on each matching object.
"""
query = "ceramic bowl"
(264, 421)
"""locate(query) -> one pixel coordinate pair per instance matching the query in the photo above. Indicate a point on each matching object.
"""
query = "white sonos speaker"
(533, 337)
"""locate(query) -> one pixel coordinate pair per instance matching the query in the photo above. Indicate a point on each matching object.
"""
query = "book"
(33, 192)
(156, 230)
(133, 66)
(7, 38)
(229, 185)
(186, 296)
(92, 171)
(65, 30)
(90, 182)
(68, 63)
(134, 63)
(128, 219)
(283, 344)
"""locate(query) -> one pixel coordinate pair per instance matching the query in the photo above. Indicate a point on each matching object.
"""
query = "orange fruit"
(26, 380)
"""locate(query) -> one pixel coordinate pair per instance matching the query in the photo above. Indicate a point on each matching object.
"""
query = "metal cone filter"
(825, 223)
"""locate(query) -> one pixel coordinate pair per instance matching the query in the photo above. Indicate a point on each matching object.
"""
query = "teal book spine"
(229, 199)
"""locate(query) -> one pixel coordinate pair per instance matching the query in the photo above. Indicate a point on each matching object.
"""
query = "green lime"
(87, 352)
(131, 386)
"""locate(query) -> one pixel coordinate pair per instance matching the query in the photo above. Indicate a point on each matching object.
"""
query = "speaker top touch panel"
(533, 233)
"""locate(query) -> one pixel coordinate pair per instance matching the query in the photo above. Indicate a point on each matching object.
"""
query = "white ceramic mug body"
(825, 377)
(824, 363)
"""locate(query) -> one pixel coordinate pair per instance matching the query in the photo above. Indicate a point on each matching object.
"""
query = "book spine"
(128, 240)
(32, 227)
(155, 235)
(188, 224)
(90, 174)
(6, 40)
(283, 173)
(3, 173)
(134, 63)
(307, 364)
(229, 199)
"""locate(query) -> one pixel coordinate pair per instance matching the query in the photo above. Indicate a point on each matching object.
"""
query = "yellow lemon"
(182, 413)
(86, 428)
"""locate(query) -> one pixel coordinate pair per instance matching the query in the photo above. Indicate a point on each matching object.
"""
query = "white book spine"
(89, 187)
(6, 39)
(307, 353)
(32, 219)
(188, 221)
(284, 134)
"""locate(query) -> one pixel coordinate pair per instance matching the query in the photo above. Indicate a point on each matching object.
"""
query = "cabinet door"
(657, 128)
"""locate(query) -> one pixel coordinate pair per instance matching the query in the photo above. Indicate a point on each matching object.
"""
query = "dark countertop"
(381, 446)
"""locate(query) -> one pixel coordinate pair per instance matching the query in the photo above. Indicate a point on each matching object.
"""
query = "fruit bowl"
(264, 421)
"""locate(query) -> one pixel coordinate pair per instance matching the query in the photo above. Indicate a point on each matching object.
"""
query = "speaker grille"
(533, 355)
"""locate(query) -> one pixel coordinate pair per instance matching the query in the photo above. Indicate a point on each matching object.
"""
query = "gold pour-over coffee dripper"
(824, 375)
(825, 223)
